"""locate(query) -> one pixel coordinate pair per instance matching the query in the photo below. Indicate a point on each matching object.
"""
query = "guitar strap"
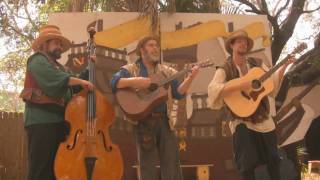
(263, 110)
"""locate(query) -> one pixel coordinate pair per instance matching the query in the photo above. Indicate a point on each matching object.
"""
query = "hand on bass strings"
(86, 85)
(73, 81)
(93, 58)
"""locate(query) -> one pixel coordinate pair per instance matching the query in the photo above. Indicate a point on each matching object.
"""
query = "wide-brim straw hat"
(238, 34)
(49, 32)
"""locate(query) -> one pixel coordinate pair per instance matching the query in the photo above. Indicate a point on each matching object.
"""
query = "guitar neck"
(184, 72)
(173, 77)
(298, 49)
(273, 69)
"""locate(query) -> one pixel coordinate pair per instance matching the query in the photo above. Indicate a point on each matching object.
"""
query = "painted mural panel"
(204, 136)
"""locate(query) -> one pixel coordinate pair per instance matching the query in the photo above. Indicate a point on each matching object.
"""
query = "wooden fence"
(13, 147)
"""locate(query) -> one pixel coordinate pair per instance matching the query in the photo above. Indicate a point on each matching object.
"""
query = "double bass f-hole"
(106, 147)
(75, 139)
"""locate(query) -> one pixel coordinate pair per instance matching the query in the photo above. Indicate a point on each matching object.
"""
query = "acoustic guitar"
(138, 104)
(244, 103)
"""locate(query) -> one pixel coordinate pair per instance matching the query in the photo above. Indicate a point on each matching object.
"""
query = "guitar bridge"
(244, 94)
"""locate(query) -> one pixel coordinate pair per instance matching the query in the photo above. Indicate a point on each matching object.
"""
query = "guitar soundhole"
(146, 93)
(256, 84)
(153, 87)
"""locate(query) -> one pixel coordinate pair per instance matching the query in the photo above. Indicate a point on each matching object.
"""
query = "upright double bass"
(88, 152)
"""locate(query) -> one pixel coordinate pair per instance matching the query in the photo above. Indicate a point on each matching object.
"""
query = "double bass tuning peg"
(91, 31)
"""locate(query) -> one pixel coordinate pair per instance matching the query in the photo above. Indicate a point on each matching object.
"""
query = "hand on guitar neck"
(184, 86)
(285, 65)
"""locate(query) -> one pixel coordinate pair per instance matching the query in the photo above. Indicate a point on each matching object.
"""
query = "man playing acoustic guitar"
(254, 137)
(154, 134)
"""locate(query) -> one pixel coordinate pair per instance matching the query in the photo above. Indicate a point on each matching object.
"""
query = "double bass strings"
(91, 109)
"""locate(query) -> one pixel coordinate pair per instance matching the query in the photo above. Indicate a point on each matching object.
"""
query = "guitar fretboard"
(273, 69)
(298, 49)
(173, 77)
(183, 72)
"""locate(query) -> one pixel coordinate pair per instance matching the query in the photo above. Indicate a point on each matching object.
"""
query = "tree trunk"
(77, 5)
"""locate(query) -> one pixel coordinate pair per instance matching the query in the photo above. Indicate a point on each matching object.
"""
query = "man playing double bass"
(254, 137)
(154, 134)
(46, 93)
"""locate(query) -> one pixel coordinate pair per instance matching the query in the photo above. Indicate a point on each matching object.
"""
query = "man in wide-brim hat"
(254, 137)
(46, 93)
(239, 35)
(50, 32)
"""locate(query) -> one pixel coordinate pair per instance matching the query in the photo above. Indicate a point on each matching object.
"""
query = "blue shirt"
(124, 73)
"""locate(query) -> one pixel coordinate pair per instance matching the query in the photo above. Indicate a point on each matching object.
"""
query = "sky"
(3, 50)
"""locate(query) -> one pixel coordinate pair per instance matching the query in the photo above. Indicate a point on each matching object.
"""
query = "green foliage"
(19, 24)
(198, 6)
(12, 71)
(302, 158)
(10, 102)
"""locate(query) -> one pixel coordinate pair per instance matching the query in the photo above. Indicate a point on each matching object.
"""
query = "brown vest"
(32, 91)
(263, 110)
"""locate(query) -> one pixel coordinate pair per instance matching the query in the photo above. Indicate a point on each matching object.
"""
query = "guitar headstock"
(300, 48)
(203, 64)
(206, 63)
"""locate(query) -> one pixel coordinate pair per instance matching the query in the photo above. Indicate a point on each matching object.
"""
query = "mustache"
(153, 58)
(56, 53)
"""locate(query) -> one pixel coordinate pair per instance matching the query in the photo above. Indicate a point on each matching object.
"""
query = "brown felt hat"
(238, 34)
(49, 32)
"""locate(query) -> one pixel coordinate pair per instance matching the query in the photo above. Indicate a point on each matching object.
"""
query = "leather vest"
(263, 110)
(33, 93)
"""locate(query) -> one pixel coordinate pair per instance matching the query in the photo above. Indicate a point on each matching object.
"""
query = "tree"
(283, 19)
(18, 28)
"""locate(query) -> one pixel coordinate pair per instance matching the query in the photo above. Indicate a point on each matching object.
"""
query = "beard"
(55, 54)
(242, 51)
(153, 58)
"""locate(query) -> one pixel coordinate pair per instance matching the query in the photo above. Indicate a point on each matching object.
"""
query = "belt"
(53, 108)
(158, 114)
